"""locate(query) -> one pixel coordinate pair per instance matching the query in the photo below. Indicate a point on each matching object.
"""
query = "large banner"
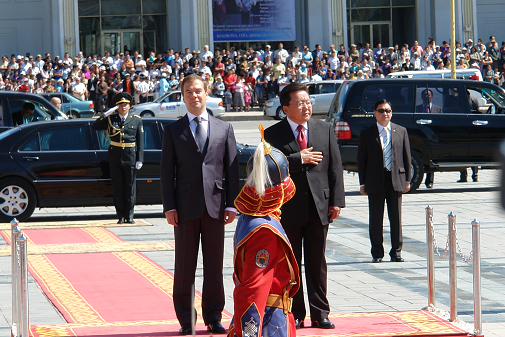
(253, 20)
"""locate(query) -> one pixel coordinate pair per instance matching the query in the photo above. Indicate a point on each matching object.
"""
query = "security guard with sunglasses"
(126, 153)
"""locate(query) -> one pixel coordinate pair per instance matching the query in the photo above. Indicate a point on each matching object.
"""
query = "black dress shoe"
(325, 323)
(131, 221)
(377, 260)
(299, 323)
(185, 330)
(397, 259)
(461, 180)
(475, 179)
(216, 328)
(120, 221)
(429, 185)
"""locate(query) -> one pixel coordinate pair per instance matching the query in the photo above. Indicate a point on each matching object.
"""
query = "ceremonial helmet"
(268, 185)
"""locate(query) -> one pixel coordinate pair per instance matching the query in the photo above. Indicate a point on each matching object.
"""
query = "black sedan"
(65, 164)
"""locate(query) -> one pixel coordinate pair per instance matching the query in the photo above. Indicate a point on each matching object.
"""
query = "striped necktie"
(387, 149)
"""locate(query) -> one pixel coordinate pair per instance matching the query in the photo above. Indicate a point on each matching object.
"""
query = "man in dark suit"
(126, 153)
(427, 106)
(384, 166)
(199, 180)
(316, 168)
(25, 116)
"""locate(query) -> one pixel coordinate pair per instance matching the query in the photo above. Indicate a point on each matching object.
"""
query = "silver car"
(171, 105)
(321, 94)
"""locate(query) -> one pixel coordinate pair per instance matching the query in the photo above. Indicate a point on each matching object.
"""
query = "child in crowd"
(247, 97)
(228, 99)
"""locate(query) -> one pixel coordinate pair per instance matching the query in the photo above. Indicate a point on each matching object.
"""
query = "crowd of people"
(243, 78)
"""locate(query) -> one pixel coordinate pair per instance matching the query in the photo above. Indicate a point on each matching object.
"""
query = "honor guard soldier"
(266, 273)
(126, 153)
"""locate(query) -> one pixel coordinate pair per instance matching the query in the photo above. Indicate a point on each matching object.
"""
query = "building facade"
(98, 26)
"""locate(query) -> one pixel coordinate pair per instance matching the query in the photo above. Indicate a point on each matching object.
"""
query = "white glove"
(138, 165)
(110, 111)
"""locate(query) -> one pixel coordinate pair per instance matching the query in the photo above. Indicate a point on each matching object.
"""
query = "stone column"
(70, 26)
(204, 22)
(339, 21)
(469, 24)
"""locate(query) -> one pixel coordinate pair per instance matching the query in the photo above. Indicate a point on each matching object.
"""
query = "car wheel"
(17, 199)
(418, 171)
(279, 113)
(147, 113)
(73, 114)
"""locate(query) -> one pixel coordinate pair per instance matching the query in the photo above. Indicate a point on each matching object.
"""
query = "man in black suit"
(126, 153)
(316, 168)
(427, 106)
(25, 116)
(199, 180)
(384, 166)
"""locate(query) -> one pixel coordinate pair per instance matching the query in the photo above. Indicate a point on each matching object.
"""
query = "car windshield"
(496, 96)
(161, 98)
(72, 99)
(339, 97)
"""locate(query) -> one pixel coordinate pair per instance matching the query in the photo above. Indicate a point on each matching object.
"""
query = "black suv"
(11, 102)
(452, 124)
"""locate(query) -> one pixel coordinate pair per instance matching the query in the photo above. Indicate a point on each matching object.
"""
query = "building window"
(118, 25)
(387, 22)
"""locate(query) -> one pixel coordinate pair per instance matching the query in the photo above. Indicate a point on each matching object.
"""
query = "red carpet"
(126, 294)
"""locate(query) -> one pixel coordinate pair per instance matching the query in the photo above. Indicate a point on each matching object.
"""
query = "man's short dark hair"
(380, 102)
(28, 106)
(285, 94)
(427, 90)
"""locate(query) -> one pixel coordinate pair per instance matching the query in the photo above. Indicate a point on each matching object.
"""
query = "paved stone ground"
(354, 284)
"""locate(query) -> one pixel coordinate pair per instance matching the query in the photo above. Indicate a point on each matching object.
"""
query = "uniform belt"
(278, 301)
(122, 145)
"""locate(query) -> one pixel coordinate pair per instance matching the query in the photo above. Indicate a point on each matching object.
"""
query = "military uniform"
(266, 273)
(125, 150)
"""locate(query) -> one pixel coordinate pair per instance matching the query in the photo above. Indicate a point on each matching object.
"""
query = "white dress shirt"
(204, 123)
(294, 129)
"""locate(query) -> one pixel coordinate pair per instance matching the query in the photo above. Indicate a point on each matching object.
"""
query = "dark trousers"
(142, 99)
(124, 188)
(463, 174)
(187, 240)
(429, 178)
(305, 230)
(393, 200)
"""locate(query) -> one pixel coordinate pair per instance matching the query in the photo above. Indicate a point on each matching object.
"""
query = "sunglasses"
(384, 111)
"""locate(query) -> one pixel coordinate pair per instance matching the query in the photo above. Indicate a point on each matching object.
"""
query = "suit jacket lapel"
(376, 137)
(211, 129)
(290, 138)
(394, 136)
(186, 134)
(311, 134)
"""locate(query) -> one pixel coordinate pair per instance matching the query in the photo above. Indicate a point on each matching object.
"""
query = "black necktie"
(200, 134)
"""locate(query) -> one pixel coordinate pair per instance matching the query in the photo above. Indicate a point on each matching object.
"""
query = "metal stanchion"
(15, 232)
(431, 257)
(477, 308)
(23, 286)
(453, 281)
